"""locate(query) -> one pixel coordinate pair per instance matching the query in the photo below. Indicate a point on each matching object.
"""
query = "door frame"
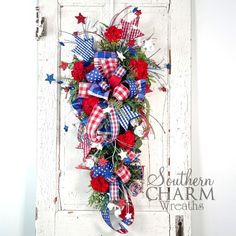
(48, 125)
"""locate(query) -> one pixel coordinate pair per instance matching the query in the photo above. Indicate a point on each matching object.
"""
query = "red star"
(80, 18)
(138, 12)
(148, 89)
(163, 89)
(75, 33)
(63, 65)
(102, 161)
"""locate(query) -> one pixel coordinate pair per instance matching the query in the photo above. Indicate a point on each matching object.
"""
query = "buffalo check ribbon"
(106, 217)
(113, 189)
(106, 63)
(83, 89)
(95, 119)
(125, 115)
(120, 92)
(124, 173)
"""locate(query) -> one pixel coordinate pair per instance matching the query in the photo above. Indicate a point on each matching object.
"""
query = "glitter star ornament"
(123, 154)
(128, 216)
(80, 19)
(50, 78)
(120, 56)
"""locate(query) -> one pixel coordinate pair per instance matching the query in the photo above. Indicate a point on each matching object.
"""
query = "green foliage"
(105, 45)
(136, 173)
(98, 200)
(138, 144)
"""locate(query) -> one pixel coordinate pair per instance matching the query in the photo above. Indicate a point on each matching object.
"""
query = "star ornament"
(123, 154)
(102, 161)
(63, 65)
(121, 56)
(80, 19)
(84, 48)
(128, 216)
(130, 29)
(50, 78)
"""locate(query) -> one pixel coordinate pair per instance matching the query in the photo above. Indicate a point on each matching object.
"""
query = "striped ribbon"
(125, 115)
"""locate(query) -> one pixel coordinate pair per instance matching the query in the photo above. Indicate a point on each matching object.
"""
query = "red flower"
(89, 103)
(99, 184)
(139, 68)
(126, 140)
(131, 42)
(78, 71)
(114, 81)
(113, 34)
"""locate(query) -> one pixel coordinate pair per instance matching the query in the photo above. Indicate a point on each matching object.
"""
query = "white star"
(128, 216)
(123, 154)
(120, 56)
(107, 110)
(97, 145)
(89, 163)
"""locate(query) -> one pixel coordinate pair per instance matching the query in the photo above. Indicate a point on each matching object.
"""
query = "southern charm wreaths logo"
(110, 76)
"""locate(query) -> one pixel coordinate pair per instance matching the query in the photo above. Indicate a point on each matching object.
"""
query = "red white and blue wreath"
(108, 81)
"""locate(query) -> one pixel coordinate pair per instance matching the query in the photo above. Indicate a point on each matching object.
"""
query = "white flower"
(110, 205)
(139, 131)
(134, 122)
(89, 163)
(148, 45)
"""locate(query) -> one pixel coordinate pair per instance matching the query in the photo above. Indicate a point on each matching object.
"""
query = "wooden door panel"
(63, 190)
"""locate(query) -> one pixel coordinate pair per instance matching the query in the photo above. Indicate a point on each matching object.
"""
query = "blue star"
(50, 78)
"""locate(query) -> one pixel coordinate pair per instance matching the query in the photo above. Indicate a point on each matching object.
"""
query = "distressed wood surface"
(62, 190)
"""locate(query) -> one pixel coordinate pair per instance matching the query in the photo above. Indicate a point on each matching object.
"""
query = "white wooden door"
(63, 190)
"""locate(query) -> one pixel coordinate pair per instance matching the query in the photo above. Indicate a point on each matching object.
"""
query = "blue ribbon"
(77, 104)
(97, 91)
(105, 55)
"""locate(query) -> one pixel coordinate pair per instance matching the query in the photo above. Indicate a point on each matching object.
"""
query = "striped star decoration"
(130, 29)
(84, 48)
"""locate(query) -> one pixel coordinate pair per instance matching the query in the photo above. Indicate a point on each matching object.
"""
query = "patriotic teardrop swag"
(109, 80)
